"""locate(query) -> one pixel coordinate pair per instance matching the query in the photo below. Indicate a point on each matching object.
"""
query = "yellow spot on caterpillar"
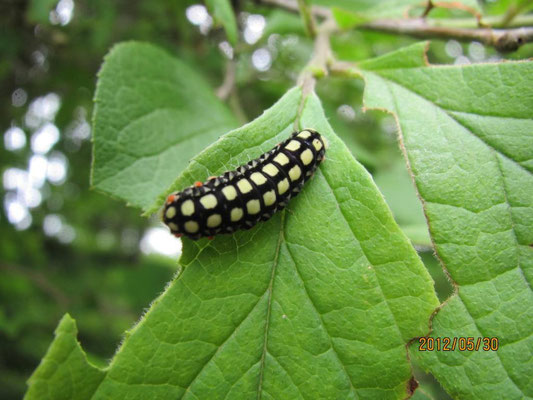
(171, 212)
(187, 208)
(253, 207)
(293, 145)
(214, 220)
(269, 197)
(283, 186)
(295, 173)
(258, 178)
(307, 156)
(191, 226)
(229, 192)
(304, 134)
(281, 159)
(317, 144)
(173, 227)
(244, 186)
(209, 201)
(236, 214)
(271, 169)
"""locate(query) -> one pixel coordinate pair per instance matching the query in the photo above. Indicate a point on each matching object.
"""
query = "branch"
(503, 40)
(317, 67)
(40, 280)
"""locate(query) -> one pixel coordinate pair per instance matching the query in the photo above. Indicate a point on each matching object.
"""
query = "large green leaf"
(467, 134)
(318, 302)
(149, 121)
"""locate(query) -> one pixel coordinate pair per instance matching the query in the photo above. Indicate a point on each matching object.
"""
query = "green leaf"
(318, 302)
(223, 14)
(64, 372)
(149, 121)
(468, 137)
(358, 10)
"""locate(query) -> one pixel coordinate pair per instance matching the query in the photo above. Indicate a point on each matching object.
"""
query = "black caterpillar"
(253, 192)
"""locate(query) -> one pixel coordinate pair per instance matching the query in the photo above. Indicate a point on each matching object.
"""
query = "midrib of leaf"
(270, 290)
(221, 346)
(457, 287)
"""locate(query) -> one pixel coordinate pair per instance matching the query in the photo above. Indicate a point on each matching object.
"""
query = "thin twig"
(513, 11)
(228, 84)
(307, 16)
(493, 21)
(429, 7)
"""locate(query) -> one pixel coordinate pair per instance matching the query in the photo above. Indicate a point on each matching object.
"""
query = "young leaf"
(149, 121)
(467, 135)
(318, 302)
(223, 13)
(64, 372)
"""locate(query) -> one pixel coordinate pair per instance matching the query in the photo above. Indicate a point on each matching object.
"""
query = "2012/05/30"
(469, 343)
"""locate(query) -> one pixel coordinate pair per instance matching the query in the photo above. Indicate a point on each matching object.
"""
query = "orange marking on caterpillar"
(198, 184)
(171, 198)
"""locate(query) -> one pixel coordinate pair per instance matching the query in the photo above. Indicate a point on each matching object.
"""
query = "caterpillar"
(253, 192)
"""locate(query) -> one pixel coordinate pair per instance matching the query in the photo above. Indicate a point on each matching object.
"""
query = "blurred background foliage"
(66, 248)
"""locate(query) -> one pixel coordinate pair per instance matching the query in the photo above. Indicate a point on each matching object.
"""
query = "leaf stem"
(317, 67)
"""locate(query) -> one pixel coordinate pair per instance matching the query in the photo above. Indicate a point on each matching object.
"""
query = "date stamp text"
(458, 343)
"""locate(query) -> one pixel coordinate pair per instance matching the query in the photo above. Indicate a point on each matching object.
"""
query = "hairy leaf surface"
(467, 135)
